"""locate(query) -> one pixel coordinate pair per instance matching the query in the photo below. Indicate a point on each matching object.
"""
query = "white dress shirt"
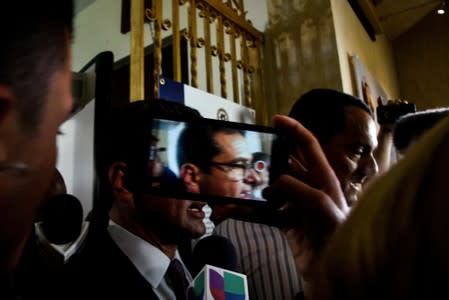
(65, 250)
(151, 262)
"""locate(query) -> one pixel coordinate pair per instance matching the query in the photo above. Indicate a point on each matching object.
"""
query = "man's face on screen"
(229, 175)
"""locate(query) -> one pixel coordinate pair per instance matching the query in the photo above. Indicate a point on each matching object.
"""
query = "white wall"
(66, 150)
(97, 29)
(257, 13)
(352, 39)
(75, 156)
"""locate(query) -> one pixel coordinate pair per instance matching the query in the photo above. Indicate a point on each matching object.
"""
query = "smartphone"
(215, 161)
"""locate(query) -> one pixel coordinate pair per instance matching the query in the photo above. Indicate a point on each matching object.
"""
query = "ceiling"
(395, 17)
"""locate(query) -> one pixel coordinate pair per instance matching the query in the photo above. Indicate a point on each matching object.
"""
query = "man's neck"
(151, 237)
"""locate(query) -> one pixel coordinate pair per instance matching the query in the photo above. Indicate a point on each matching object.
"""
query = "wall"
(97, 29)
(301, 51)
(422, 57)
(377, 56)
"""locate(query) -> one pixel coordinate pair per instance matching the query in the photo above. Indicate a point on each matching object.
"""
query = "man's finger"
(304, 199)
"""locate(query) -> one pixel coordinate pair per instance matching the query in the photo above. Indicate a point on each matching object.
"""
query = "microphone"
(62, 219)
(214, 283)
(214, 261)
(214, 250)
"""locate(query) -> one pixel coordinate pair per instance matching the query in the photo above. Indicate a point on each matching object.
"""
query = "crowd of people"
(340, 231)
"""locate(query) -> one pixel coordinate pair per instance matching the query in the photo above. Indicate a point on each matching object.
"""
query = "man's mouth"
(245, 195)
(196, 210)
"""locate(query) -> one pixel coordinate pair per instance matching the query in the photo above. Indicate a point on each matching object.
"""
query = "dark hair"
(132, 131)
(411, 126)
(35, 38)
(261, 156)
(197, 145)
(322, 111)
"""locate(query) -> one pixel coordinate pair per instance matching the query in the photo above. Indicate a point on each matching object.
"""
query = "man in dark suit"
(132, 258)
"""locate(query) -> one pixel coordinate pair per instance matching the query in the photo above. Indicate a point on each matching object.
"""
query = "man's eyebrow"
(240, 160)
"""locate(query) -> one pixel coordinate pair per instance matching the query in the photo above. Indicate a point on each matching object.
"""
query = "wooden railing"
(225, 35)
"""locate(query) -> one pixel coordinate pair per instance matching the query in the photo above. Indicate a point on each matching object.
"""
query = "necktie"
(178, 279)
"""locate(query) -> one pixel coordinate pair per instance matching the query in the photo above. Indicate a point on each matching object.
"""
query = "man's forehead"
(360, 127)
(240, 145)
(234, 140)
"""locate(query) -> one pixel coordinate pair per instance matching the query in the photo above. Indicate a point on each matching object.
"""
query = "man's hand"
(384, 149)
(314, 202)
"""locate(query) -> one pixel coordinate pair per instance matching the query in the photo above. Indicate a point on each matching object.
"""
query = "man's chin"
(197, 231)
(197, 234)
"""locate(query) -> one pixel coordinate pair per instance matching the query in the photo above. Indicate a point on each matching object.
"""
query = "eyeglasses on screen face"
(153, 153)
(239, 170)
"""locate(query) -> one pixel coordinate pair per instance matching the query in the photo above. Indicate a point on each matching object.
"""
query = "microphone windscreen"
(217, 283)
(214, 250)
(62, 219)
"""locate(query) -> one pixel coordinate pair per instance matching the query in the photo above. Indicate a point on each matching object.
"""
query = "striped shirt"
(263, 254)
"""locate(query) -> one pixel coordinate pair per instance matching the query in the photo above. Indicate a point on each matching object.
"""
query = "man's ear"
(190, 175)
(116, 176)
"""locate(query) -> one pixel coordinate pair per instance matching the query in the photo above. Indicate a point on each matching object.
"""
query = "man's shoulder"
(235, 226)
(247, 235)
(99, 256)
(101, 269)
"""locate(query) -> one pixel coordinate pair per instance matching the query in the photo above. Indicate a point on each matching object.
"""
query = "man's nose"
(251, 177)
(370, 167)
